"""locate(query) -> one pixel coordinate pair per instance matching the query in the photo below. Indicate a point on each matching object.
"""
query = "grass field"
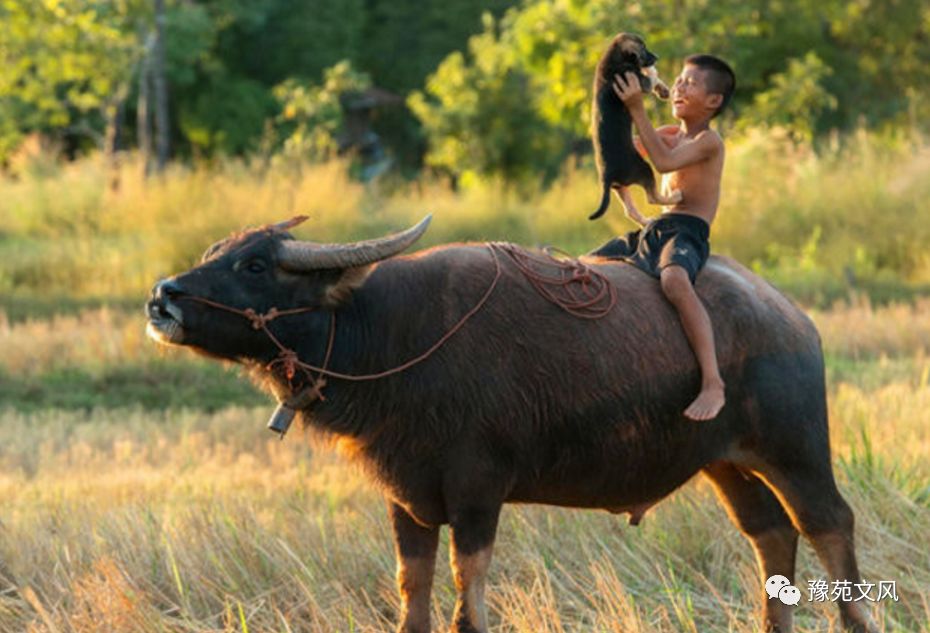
(850, 220)
(160, 516)
(140, 491)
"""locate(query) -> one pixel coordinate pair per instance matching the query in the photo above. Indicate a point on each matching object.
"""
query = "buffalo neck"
(393, 317)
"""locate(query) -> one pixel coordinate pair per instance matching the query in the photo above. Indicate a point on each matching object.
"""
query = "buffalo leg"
(473, 532)
(760, 517)
(415, 548)
(809, 493)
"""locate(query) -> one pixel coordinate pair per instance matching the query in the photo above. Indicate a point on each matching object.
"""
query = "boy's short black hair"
(720, 77)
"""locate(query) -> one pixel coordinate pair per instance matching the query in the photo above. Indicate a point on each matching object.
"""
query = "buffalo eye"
(254, 266)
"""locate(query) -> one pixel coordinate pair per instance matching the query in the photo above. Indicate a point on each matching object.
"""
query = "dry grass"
(853, 211)
(864, 331)
(91, 339)
(120, 520)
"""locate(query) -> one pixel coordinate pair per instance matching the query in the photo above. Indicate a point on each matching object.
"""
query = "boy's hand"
(629, 90)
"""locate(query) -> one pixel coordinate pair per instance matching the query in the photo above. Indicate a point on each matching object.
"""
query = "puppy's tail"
(605, 202)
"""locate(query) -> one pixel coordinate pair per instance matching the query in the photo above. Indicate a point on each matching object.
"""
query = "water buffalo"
(523, 402)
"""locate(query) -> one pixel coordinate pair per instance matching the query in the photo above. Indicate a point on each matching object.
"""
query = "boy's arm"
(666, 133)
(665, 158)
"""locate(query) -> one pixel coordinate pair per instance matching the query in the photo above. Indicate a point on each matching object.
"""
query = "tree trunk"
(113, 114)
(160, 87)
(143, 107)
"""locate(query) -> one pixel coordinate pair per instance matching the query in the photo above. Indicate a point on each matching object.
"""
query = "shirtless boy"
(674, 246)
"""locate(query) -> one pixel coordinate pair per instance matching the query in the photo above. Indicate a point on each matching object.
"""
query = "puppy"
(618, 162)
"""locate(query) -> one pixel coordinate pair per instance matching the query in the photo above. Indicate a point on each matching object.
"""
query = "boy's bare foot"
(708, 403)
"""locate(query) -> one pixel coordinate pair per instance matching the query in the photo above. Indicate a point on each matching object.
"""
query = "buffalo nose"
(167, 289)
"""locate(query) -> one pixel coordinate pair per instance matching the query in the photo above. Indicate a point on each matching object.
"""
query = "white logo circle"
(774, 584)
(790, 595)
(780, 587)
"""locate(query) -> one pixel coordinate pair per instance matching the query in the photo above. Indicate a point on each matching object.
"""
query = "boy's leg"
(696, 323)
(619, 247)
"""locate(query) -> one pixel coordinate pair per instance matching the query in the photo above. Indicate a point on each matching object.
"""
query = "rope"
(413, 361)
(558, 280)
(288, 359)
(571, 273)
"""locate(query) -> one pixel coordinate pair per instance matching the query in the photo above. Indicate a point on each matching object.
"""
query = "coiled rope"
(561, 281)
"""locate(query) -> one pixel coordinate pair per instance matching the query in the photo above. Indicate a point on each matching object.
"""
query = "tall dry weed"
(196, 523)
(854, 211)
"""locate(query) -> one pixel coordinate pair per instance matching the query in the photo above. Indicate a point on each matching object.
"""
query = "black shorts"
(672, 239)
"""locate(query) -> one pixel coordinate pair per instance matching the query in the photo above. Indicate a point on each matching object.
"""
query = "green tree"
(227, 56)
(482, 116)
(311, 114)
(880, 56)
(273, 40)
(226, 115)
(68, 66)
(808, 66)
(405, 40)
(796, 99)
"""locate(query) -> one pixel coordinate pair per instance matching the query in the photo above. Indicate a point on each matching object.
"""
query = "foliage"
(879, 52)
(796, 99)
(558, 45)
(803, 66)
(274, 40)
(311, 115)
(226, 117)
(809, 67)
(405, 40)
(482, 116)
(230, 55)
(64, 62)
(824, 225)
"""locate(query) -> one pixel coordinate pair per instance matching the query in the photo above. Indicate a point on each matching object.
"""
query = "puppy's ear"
(629, 46)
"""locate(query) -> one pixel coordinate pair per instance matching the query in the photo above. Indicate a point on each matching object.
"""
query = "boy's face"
(690, 98)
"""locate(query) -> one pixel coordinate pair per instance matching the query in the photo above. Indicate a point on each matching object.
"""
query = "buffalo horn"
(300, 256)
(287, 225)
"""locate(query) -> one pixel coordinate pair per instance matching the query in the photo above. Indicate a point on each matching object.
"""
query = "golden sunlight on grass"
(91, 338)
(166, 518)
(850, 212)
(185, 521)
(863, 331)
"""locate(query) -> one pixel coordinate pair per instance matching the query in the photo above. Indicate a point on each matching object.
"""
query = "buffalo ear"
(350, 279)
